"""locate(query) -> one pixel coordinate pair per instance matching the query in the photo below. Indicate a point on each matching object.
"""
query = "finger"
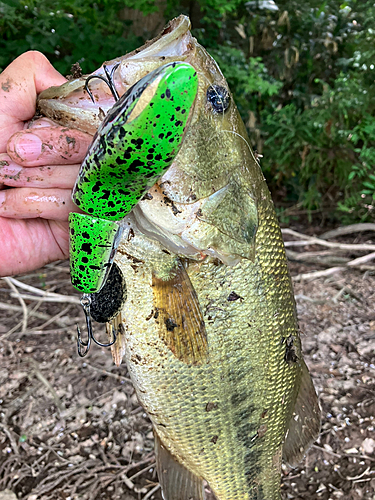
(27, 245)
(49, 145)
(30, 203)
(57, 176)
(20, 83)
(28, 75)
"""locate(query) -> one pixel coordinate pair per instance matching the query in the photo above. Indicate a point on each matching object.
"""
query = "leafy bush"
(65, 31)
(325, 154)
(316, 132)
(247, 76)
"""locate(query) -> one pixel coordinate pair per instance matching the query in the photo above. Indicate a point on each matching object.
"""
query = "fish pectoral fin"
(176, 481)
(233, 210)
(304, 425)
(118, 348)
(179, 316)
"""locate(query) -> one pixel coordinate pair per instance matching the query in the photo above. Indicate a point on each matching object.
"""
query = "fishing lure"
(134, 146)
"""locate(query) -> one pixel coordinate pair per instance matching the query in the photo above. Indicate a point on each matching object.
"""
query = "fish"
(208, 329)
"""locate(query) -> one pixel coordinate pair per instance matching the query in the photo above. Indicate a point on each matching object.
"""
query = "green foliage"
(317, 132)
(301, 73)
(65, 31)
(325, 153)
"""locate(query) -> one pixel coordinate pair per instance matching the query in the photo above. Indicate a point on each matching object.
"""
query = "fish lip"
(69, 105)
(175, 29)
(160, 46)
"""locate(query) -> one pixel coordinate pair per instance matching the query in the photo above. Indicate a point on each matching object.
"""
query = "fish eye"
(218, 97)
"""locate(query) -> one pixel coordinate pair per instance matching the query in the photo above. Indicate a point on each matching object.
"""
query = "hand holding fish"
(39, 161)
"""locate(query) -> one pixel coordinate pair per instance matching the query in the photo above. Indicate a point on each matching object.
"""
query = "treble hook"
(86, 303)
(108, 80)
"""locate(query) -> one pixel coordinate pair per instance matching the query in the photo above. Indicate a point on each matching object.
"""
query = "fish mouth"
(170, 42)
(173, 216)
(70, 104)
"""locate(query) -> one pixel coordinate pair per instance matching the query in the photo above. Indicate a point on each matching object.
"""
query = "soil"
(72, 428)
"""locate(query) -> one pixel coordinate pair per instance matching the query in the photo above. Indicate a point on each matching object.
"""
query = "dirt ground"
(71, 428)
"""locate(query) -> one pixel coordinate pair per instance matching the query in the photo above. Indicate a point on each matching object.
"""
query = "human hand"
(38, 168)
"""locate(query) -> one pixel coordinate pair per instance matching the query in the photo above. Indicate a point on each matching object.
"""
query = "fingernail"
(40, 123)
(26, 146)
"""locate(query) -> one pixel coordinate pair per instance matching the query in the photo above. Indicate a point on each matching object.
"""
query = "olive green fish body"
(224, 415)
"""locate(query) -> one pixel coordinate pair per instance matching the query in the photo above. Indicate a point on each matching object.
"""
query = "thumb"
(20, 83)
(45, 75)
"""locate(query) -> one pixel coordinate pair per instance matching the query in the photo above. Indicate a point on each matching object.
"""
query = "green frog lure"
(133, 147)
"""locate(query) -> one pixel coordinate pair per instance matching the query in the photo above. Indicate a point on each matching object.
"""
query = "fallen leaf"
(7, 495)
(368, 446)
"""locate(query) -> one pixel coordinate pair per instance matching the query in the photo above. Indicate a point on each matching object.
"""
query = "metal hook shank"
(85, 303)
(110, 80)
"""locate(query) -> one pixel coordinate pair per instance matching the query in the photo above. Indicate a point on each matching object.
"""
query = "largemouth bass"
(209, 328)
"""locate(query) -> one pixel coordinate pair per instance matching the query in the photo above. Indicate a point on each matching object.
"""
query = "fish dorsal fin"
(304, 425)
(179, 316)
(177, 482)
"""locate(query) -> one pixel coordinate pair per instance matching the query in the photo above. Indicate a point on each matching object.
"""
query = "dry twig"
(139, 473)
(151, 492)
(109, 374)
(12, 307)
(364, 473)
(40, 376)
(11, 285)
(361, 260)
(53, 297)
(311, 240)
(13, 442)
(42, 295)
(318, 274)
(54, 318)
(350, 229)
(324, 450)
(325, 258)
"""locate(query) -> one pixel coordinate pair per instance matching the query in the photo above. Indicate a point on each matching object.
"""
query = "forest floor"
(72, 428)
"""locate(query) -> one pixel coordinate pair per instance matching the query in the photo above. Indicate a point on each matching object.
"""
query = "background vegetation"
(302, 74)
